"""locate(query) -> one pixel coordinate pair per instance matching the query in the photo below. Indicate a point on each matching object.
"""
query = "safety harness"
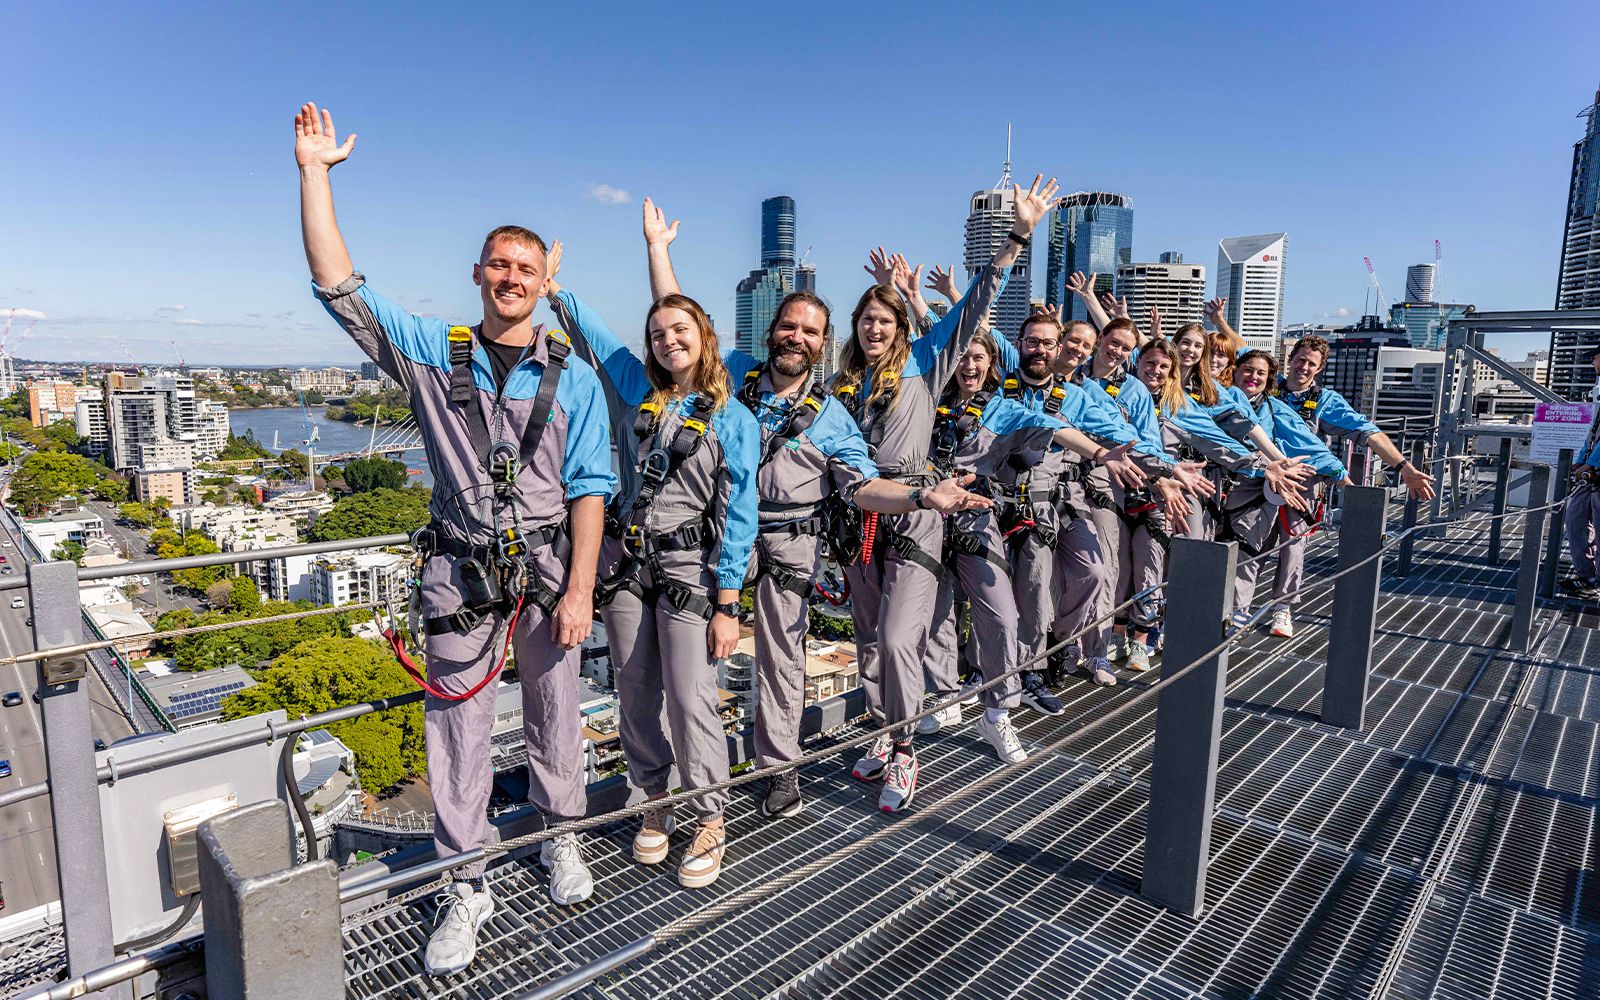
(498, 576)
(850, 523)
(1014, 509)
(642, 547)
(1307, 407)
(804, 519)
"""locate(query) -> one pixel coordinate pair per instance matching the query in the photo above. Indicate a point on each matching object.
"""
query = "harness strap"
(464, 393)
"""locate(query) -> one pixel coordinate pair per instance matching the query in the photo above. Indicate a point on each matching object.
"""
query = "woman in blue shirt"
(678, 542)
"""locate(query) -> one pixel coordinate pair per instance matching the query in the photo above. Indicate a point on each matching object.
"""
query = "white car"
(7, 543)
(17, 602)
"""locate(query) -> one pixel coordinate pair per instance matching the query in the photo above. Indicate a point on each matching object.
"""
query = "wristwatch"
(1021, 241)
(916, 496)
(733, 610)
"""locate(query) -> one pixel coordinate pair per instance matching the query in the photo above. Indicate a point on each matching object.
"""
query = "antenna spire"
(1005, 175)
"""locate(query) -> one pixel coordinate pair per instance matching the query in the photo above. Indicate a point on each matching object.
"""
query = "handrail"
(18, 582)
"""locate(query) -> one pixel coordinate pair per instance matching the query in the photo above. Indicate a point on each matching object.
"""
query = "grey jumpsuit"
(572, 460)
(666, 685)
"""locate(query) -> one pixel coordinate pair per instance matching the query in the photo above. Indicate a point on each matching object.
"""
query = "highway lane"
(27, 848)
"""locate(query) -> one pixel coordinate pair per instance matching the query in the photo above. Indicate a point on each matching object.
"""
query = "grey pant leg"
(551, 725)
(1291, 573)
(994, 620)
(1254, 528)
(909, 594)
(1147, 564)
(641, 709)
(699, 742)
(1579, 521)
(780, 627)
(866, 602)
(1080, 579)
(941, 669)
(1033, 571)
(457, 734)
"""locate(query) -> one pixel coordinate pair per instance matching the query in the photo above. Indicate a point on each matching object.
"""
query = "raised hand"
(315, 142)
(1115, 306)
(1082, 287)
(943, 281)
(1155, 323)
(656, 230)
(1032, 205)
(552, 264)
(907, 280)
(1214, 309)
(879, 266)
(948, 496)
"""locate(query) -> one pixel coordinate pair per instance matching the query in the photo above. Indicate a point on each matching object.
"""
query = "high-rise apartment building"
(147, 409)
(1578, 286)
(1419, 282)
(757, 296)
(1092, 232)
(1426, 323)
(1177, 290)
(1250, 276)
(52, 401)
(991, 216)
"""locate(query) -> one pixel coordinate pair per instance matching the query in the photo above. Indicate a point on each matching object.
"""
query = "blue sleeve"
(586, 466)
(1295, 439)
(739, 365)
(741, 452)
(422, 340)
(1336, 413)
(1142, 415)
(610, 354)
(1007, 416)
(836, 434)
(925, 349)
(1079, 411)
(1010, 359)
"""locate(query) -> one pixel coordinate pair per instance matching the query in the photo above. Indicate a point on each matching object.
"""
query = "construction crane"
(1438, 286)
(1375, 282)
(803, 257)
(181, 365)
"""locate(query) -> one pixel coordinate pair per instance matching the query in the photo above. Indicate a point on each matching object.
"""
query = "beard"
(1036, 365)
(791, 360)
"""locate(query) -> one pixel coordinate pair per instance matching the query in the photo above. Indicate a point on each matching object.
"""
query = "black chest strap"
(952, 426)
(501, 459)
(800, 417)
(867, 411)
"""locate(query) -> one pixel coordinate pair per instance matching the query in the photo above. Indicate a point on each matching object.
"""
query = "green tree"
(111, 489)
(140, 515)
(16, 404)
(363, 475)
(314, 397)
(164, 537)
(380, 512)
(65, 432)
(243, 447)
(326, 673)
(199, 578)
(246, 495)
(46, 476)
(68, 550)
(245, 596)
(10, 451)
(247, 644)
(216, 497)
(295, 461)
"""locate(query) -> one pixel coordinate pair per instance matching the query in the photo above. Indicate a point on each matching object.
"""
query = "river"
(289, 423)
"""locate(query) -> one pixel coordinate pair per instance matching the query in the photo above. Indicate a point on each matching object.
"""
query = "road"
(135, 545)
(27, 848)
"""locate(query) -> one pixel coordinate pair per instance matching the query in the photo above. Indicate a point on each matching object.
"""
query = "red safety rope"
(397, 644)
(869, 536)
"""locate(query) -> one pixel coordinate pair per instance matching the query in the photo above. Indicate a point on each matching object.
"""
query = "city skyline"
(198, 236)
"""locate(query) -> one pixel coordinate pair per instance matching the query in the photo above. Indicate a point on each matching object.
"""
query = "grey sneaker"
(455, 941)
(1116, 647)
(783, 797)
(901, 782)
(1282, 622)
(1100, 672)
(1138, 657)
(1003, 737)
(947, 717)
(570, 881)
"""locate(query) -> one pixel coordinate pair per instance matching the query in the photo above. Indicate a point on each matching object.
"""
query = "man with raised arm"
(811, 452)
(517, 437)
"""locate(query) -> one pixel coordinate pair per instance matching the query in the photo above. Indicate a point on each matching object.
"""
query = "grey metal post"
(70, 766)
(1552, 544)
(1183, 777)
(272, 929)
(1502, 481)
(1355, 608)
(1408, 520)
(1528, 569)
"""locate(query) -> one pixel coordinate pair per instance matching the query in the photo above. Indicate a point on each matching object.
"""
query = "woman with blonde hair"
(890, 385)
(678, 542)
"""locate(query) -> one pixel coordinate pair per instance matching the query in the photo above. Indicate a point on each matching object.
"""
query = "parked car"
(99, 744)
(11, 699)
(5, 769)
(17, 602)
(6, 571)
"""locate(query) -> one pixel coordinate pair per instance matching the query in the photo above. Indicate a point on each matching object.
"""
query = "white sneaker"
(655, 834)
(1003, 737)
(1100, 672)
(969, 689)
(1116, 647)
(455, 941)
(570, 881)
(900, 784)
(1138, 657)
(870, 766)
(1282, 622)
(949, 716)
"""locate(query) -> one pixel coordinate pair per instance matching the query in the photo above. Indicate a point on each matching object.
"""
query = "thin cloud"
(17, 312)
(171, 309)
(605, 194)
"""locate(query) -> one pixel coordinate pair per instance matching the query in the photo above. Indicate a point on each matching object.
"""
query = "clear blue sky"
(150, 191)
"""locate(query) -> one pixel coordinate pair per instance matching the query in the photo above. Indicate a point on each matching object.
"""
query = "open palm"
(315, 142)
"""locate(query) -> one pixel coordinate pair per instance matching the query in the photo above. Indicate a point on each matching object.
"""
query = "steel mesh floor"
(1450, 850)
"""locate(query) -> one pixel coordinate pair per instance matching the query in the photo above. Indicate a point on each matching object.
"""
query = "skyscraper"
(756, 297)
(1579, 284)
(990, 219)
(1250, 277)
(1419, 283)
(1092, 232)
(1177, 289)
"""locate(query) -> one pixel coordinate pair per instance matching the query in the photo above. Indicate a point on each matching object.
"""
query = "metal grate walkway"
(1449, 851)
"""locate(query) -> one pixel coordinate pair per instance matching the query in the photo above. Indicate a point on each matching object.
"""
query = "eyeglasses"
(1034, 343)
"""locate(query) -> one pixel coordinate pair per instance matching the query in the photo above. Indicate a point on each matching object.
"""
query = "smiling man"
(811, 450)
(517, 437)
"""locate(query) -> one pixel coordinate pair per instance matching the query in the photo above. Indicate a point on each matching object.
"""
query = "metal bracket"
(64, 669)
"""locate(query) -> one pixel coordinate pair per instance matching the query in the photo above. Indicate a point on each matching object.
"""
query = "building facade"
(756, 297)
(1426, 323)
(1419, 283)
(1250, 275)
(360, 578)
(1578, 284)
(1178, 290)
(989, 219)
(52, 401)
(1571, 373)
(1092, 232)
